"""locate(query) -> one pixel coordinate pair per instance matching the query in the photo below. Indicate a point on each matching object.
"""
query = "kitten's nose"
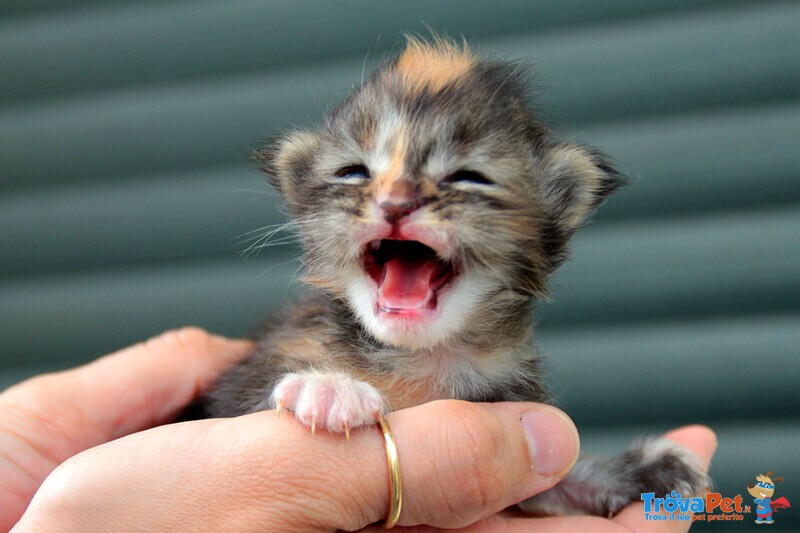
(394, 210)
(402, 200)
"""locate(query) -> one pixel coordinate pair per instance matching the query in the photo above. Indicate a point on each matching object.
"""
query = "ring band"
(395, 482)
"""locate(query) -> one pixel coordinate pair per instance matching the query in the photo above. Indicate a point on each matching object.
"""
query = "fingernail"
(553, 441)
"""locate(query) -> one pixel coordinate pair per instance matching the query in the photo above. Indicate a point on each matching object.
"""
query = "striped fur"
(442, 147)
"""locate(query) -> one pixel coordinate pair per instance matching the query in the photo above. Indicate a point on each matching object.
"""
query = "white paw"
(332, 401)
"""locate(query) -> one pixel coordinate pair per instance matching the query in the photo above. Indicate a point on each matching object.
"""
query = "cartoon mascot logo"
(762, 490)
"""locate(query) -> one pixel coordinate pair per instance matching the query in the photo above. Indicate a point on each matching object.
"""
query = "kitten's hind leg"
(603, 486)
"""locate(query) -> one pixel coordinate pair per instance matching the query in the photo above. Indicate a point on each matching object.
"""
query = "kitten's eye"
(353, 172)
(467, 176)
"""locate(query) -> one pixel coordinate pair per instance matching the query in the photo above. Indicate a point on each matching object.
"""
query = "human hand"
(49, 418)
(461, 462)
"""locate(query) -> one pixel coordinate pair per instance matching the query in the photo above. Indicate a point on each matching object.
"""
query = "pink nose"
(402, 200)
(395, 209)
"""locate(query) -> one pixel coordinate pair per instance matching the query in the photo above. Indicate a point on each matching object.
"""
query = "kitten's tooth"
(347, 431)
(374, 245)
(313, 425)
(279, 409)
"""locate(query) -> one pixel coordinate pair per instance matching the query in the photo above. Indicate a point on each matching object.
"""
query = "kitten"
(432, 205)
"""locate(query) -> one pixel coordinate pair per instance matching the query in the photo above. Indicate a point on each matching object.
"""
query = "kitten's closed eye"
(353, 173)
(467, 176)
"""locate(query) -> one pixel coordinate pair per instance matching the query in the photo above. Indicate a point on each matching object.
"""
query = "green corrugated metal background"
(123, 189)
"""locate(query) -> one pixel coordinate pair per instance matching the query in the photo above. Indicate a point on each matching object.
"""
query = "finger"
(47, 419)
(703, 443)
(133, 389)
(491, 456)
(460, 462)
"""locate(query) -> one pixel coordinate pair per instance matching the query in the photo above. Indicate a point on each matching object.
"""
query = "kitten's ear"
(576, 179)
(287, 158)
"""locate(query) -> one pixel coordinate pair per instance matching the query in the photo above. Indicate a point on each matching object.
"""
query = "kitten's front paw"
(332, 401)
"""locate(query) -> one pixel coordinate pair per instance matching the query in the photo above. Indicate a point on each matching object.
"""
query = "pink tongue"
(407, 283)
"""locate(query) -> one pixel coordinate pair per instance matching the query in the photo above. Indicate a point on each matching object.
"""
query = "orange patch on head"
(397, 160)
(395, 170)
(433, 66)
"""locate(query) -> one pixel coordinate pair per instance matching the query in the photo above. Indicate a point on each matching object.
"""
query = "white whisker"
(277, 265)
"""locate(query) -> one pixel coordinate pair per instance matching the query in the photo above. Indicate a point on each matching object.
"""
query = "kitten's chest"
(410, 379)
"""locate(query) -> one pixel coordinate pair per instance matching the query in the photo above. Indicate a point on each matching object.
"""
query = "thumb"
(459, 462)
(462, 462)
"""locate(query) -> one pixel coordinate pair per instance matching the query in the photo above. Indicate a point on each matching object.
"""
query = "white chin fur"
(456, 302)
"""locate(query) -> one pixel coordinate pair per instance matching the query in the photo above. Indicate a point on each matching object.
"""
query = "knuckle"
(477, 432)
(188, 339)
(66, 487)
(36, 385)
(29, 402)
(477, 449)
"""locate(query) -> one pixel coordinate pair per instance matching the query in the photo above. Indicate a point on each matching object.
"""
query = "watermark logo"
(762, 491)
(711, 507)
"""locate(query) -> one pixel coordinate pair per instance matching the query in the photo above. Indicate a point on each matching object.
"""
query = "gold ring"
(395, 482)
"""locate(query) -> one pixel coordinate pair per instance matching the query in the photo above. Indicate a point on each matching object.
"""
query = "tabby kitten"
(432, 205)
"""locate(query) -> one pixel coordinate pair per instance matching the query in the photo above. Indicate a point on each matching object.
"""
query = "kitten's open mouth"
(408, 274)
